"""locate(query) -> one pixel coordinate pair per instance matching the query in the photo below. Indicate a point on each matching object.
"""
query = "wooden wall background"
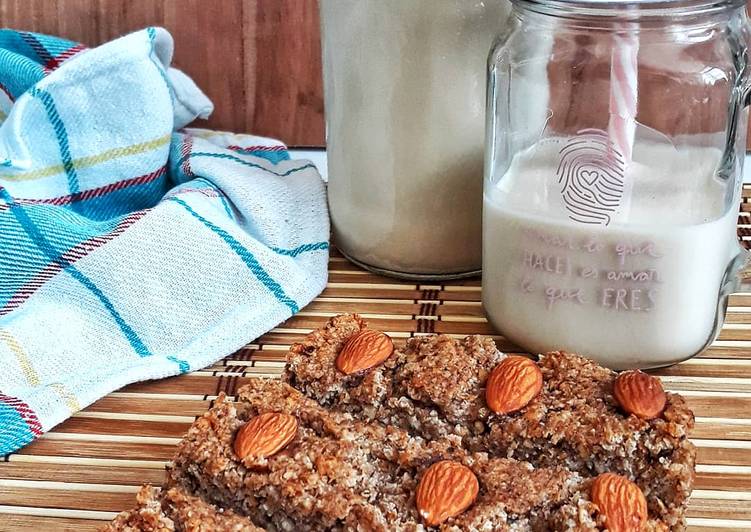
(258, 60)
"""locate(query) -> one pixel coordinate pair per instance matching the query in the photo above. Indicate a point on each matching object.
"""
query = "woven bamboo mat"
(83, 472)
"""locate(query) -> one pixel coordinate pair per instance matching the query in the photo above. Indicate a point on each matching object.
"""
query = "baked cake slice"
(441, 434)
(435, 386)
(337, 473)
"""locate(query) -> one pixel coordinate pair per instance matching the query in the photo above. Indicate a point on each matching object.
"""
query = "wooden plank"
(716, 525)
(723, 428)
(719, 351)
(259, 61)
(391, 291)
(306, 323)
(359, 278)
(209, 47)
(158, 405)
(283, 64)
(79, 425)
(721, 508)
(96, 500)
(738, 316)
(723, 480)
(740, 299)
(134, 451)
(724, 454)
(706, 384)
(122, 475)
(365, 307)
(709, 368)
(734, 334)
(31, 523)
(186, 384)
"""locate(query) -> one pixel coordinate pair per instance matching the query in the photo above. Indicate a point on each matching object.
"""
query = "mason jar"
(610, 222)
(405, 112)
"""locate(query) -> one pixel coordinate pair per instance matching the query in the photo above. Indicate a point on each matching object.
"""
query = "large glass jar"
(610, 223)
(405, 112)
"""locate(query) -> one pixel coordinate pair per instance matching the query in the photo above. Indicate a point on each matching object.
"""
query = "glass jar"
(405, 106)
(610, 222)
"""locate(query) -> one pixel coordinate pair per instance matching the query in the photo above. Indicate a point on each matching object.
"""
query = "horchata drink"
(405, 113)
(610, 229)
(642, 291)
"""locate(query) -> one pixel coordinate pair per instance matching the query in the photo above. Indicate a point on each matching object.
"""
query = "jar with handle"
(610, 229)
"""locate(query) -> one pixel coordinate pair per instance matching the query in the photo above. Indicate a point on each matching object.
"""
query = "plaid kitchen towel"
(130, 250)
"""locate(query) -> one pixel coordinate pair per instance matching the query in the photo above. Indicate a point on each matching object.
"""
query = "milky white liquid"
(640, 292)
(405, 110)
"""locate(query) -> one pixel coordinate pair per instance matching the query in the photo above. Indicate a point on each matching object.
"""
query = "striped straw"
(623, 91)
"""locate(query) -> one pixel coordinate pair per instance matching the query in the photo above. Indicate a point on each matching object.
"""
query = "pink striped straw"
(623, 91)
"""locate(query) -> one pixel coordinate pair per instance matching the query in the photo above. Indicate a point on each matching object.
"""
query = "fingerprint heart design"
(591, 175)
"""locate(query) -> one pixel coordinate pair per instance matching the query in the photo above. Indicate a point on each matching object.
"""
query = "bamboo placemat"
(83, 472)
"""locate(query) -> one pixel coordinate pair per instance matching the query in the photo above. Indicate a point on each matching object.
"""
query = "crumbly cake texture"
(343, 474)
(175, 510)
(434, 387)
(575, 421)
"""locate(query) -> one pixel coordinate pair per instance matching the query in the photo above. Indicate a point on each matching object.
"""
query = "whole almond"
(640, 394)
(512, 384)
(620, 501)
(265, 435)
(364, 350)
(445, 490)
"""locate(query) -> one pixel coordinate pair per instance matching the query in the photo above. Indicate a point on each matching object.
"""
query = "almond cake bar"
(424, 438)
(338, 473)
(436, 386)
(278, 461)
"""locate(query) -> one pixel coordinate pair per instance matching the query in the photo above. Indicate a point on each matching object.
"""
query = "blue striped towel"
(130, 248)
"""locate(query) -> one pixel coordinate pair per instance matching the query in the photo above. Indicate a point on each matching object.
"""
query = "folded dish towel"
(129, 249)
